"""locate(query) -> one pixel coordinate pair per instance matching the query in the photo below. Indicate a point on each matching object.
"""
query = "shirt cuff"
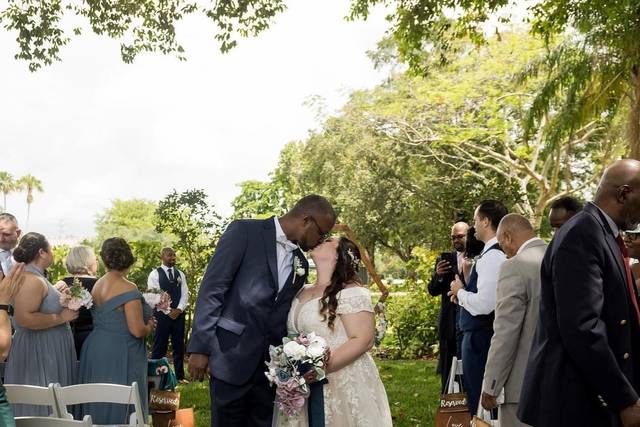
(462, 297)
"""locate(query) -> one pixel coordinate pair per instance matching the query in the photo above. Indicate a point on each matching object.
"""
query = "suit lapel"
(615, 251)
(611, 241)
(295, 280)
(269, 241)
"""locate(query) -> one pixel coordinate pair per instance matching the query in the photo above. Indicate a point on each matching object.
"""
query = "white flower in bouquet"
(294, 350)
(76, 296)
(316, 349)
(158, 300)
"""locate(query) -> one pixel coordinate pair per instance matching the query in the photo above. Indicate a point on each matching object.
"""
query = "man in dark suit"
(445, 273)
(583, 368)
(242, 307)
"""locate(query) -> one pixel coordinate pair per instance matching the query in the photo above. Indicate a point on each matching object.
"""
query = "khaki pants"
(507, 416)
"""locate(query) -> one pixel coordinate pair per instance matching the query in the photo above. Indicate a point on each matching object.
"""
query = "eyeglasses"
(458, 236)
(323, 236)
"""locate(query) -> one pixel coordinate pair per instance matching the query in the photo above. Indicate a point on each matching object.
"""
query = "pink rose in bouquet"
(158, 300)
(76, 296)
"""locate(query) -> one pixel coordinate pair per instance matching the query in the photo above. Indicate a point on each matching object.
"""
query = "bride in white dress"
(339, 309)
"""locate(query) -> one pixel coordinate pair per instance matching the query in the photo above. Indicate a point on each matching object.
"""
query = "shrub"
(413, 319)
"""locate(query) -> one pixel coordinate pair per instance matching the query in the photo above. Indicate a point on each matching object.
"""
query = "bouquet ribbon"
(316, 404)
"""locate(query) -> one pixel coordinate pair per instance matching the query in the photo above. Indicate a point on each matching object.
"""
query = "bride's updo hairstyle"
(116, 254)
(29, 247)
(346, 272)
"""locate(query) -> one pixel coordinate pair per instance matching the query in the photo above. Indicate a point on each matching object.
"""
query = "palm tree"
(7, 185)
(29, 183)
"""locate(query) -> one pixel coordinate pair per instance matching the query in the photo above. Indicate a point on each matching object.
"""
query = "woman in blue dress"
(42, 351)
(9, 285)
(114, 352)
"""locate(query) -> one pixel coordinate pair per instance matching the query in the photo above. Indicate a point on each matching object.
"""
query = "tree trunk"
(634, 115)
(28, 214)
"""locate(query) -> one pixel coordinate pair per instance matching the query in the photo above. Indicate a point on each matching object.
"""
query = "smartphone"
(447, 256)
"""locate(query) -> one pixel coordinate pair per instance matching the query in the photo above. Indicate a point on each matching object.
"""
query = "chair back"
(52, 422)
(33, 395)
(101, 393)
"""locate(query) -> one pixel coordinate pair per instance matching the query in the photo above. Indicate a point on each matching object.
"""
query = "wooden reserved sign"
(164, 400)
(453, 411)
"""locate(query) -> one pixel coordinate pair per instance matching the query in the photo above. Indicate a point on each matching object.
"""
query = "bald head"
(618, 193)
(513, 231)
(459, 235)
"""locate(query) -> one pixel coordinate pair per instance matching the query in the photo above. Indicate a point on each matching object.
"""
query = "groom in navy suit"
(243, 303)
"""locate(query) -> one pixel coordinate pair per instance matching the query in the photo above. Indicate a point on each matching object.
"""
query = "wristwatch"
(8, 308)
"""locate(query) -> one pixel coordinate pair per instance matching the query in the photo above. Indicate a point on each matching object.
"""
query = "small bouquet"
(287, 365)
(158, 300)
(381, 324)
(76, 296)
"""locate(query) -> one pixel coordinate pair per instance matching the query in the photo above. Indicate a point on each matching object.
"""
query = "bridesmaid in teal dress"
(114, 352)
(8, 288)
(42, 351)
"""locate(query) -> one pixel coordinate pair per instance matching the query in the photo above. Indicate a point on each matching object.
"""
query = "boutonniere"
(179, 279)
(298, 267)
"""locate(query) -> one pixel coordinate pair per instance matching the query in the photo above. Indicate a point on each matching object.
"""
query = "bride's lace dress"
(354, 395)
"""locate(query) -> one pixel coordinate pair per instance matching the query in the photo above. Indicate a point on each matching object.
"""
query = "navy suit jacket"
(583, 362)
(239, 311)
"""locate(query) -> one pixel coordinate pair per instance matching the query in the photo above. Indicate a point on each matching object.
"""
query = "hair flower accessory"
(355, 261)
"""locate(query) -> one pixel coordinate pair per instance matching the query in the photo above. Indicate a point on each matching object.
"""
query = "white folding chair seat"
(33, 395)
(52, 422)
(101, 393)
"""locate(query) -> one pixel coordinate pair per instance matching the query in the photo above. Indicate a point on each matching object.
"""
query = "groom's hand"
(198, 366)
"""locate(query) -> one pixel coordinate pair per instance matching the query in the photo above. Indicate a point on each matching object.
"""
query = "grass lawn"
(412, 387)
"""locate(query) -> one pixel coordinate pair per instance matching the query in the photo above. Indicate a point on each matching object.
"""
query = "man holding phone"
(448, 265)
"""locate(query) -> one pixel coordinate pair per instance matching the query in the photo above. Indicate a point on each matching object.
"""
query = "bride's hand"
(310, 377)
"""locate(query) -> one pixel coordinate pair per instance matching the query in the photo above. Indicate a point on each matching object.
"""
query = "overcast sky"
(94, 129)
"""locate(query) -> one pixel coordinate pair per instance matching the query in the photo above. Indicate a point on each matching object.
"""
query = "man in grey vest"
(9, 236)
(517, 309)
(171, 280)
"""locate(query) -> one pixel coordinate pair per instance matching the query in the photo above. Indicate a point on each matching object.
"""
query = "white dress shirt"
(284, 251)
(487, 267)
(6, 261)
(154, 282)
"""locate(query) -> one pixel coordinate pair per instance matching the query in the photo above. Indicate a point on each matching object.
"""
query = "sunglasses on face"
(458, 236)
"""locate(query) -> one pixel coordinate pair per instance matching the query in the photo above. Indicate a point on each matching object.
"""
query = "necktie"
(171, 277)
(627, 270)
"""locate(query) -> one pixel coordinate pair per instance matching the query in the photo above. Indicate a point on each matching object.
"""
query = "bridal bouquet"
(289, 362)
(76, 296)
(158, 300)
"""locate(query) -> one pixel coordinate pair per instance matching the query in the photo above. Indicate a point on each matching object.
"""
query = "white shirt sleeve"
(153, 281)
(184, 293)
(484, 301)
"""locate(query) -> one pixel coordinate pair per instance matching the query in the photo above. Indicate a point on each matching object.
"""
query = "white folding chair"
(33, 395)
(101, 393)
(455, 376)
(52, 422)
